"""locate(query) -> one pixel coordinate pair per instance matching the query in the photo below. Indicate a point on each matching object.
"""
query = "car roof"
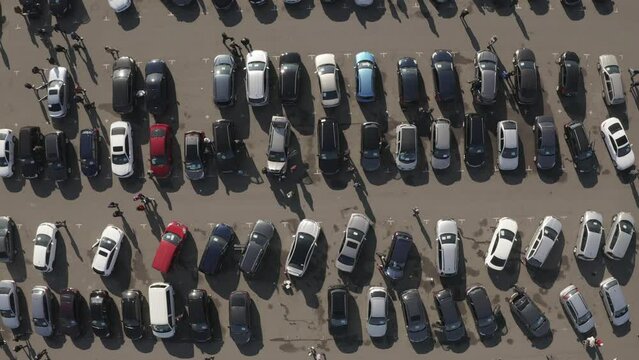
(328, 134)
(608, 60)
(480, 300)
(442, 141)
(279, 126)
(324, 59)
(257, 56)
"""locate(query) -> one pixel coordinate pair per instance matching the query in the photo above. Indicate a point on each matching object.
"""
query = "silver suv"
(612, 93)
(543, 241)
(447, 247)
(277, 155)
(575, 307)
(621, 232)
(590, 236)
(614, 301)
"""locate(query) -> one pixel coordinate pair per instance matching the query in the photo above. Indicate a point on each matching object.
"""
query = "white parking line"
(390, 221)
(211, 225)
(530, 219)
(416, 5)
(528, 169)
(312, 56)
(16, 72)
(170, 14)
(461, 220)
(249, 225)
(78, 225)
(348, 55)
(419, 53)
(496, 219)
(206, 60)
(171, 61)
(19, 226)
(106, 18)
(18, 27)
(274, 8)
(143, 226)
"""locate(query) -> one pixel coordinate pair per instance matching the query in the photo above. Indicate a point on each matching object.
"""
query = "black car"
(90, 152)
(452, 326)
(32, 8)
(545, 142)
(155, 91)
(338, 310)
(226, 145)
(258, 242)
(8, 248)
(482, 311)
(583, 156)
(31, 151)
(444, 75)
(55, 148)
(415, 317)
(329, 149)
(408, 81)
(371, 146)
(240, 314)
(194, 162)
(100, 307)
(290, 69)
(199, 305)
(528, 314)
(569, 74)
(70, 312)
(132, 319)
(123, 85)
(59, 7)
(474, 140)
(223, 4)
(526, 77)
(398, 255)
(222, 236)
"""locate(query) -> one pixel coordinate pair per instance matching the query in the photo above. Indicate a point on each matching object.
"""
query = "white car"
(7, 153)
(620, 235)
(617, 143)
(327, 74)
(304, 243)
(440, 151)
(508, 145)
(543, 241)
(501, 244)
(354, 238)
(9, 304)
(614, 301)
(447, 247)
(589, 237)
(119, 5)
(109, 245)
(44, 246)
(58, 92)
(378, 303)
(257, 80)
(121, 149)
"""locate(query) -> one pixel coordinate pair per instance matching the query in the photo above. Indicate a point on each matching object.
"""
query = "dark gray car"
(528, 314)
(8, 249)
(224, 80)
(240, 317)
(526, 81)
(485, 89)
(482, 311)
(415, 316)
(155, 82)
(545, 142)
(444, 75)
(371, 146)
(258, 242)
(452, 326)
(194, 162)
(123, 82)
(408, 79)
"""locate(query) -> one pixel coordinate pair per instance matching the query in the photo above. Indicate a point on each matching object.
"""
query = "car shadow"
(592, 271)
(59, 278)
(18, 268)
(217, 337)
(311, 284)
(257, 341)
(622, 269)
(350, 342)
(265, 281)
(116, 340)
(86, 337)
(337, 11)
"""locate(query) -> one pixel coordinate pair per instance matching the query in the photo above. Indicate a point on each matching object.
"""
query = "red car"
(160, 144)
(170, 243)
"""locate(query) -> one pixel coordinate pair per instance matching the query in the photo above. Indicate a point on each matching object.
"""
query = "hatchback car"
(224, 80)
(132, 318)
(170, 243)
(377, 319)
(156, 87)
(109, 245)
(279, 134)
(122, 158)
(408, 78)
(257, 78)
(501, 244)
(70, 312)
(482, 310)
(508, 145)
(453, 329)
(123, 80)
(614, 301)
(583, 156)
(304, 243)
(617, 143)
(226, 146)
(42, 302)
(257, 246)
(528, 314)
(161, 150)
(222, 236)
(328, 76)
(621, 232)
(199, 305)
(397, 257)
(55, 148)
(352, 242)
(545, 142)
(474, 140)
(415, 317)
(194, 161)
(9, 304)
(8, 246)
(569, 74)
(371, 146)
(526, 77)
(613, 91)
(485, 90)
(7, 153)
(290, 70)
(575, 307)
(100, 304)
(440, 151)
(444, 75)
(44, 246)
(589, 237)
(542, 242)
(338, 310)
(329, 146)
(31, 151)
(90, 152)
(447, 247)
(365, 73)
(406, 147)
(240, 317)
(58, 92)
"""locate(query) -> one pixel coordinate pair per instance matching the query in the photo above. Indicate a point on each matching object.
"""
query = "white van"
(162, 309)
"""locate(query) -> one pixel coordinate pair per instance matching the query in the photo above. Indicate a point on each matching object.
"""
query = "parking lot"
(188, 40)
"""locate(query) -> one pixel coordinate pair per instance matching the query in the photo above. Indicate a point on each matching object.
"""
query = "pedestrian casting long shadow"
(471, 35)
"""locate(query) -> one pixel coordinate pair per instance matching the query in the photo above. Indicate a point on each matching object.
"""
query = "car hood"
(39, 256)
(276, 166)
(546, 162)
(371, 164)
(123, 169)
(376, 330)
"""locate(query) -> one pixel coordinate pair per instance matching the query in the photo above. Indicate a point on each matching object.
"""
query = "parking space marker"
(170, 14)
(171, 61)
(381, 6)
(19, 226)
(616, 10)
(621, 57)
(310, 7)
(348, 55)
(419, 53)
(206, 60)
(461, 220)
(383, 54)
(550, 7)
(416, 5)
(518, 7)
(18, 27)
(106, 67)
(16, 72)
(277, 57)
(76, 178)
(496, 169)
(559, 111)
(461, 170)
(345, 6)
(387, 171)
(390, 221)
(143, 226)
(312, 56)
(530, 219)
(425, 170)
(496, 219)
(249, 224)
(211, 225)
(564, 217)
(78, 225)
(106, 18)
(528, 169)
(274, 8)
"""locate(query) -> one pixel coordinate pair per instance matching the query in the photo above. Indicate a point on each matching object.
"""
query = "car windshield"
(256, 66)
(40, 322)
(131, 322)
(158, 160)
(346, 260)
(161, 328)
(365, 65)
(584, 318)
(7, 313)
(626, 226)
(594, 226)
(447, 238)
(547, 150)
(120, 159)
(612, 69)
(441, 153)
(55, 107)
(509, 153)
(377, 320)
(223, 69)
(506, 234)
(621, 311)
(42, 240)
(476, 149)
(171, 237)
(276, 156)
(407, 156)
(329, 95)
(497, 261)
(259, 239)
(100, 324)
(3, 161)
(238, 329)
(193, 165)
(328, 155)
(453, 326)
(371, 154)
(485, 321)
(550, 233)
(538, 322)
(107, 243)
(325, 69)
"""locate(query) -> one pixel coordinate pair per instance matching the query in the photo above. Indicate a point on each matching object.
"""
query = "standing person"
(492, 42)
(464, 13)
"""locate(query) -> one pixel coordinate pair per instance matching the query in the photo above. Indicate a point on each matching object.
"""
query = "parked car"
(119, 6)
(162, 310)
(328, 76)
(70, 312)
(227, 146)
(123, 80)
(526, 77)
(508, 145)
(408, 78)
(528, 314)
(122, 158)
(415, 317)
(44, 246)
(10, 304)
(224, 80)
(257, 78)
(278, 140)
(447, 247)
(257, 246)
(194, 160)
(240, 317)
(406, 147)
(132, 318)
(32, 8)
(474, 140)
(329, 146)
(365, 74)
(501, 244)
(378, 304)
(304, 243)
(109, 245)
(583, 156)
(42, 302)
(199, 305)
(485, 89)
(617, 143)
(8, 245)
(444, 75)
(613, 91)
(614, 301)
(482, 310)
(55, 148)
(440, 151)
(100, 307)
(542, 242)
(161, 150)
(90, 152)
(156, 92)
(7, 153)
(453, 329)
(397, 257)
(170, 243)
(222, 236)
(31, 151)
(569, 74)
(575, 307)
(290, 70)
(371, 146)
(589, 237)
(58, 92)
(545, 142)
(338, 310)
(352, 242)
(621, 232)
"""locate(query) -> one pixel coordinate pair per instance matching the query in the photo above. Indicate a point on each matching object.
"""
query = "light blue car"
(365, 68)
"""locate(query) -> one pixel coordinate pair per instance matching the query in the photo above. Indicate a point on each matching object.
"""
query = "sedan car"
(338, 310)
(589, 237)
(329, 150)
(156, 87)
(70, 312)
(526, 77)
(109, 245)
(44, 245)
(583, 156)
(121, 149)
(482, 310)
(415, 317)
(474, 140)
(224, 80)
(447, 247)
(240, 317)
(257, 78)
(161, 150)
(397, 257)
(328, 76)
(170, 243)
(90, 152)
(440, 150)
(119, 6)
(501, 244)
(352, 242)
(7, 153)
(444, 75)
(453, 329)
(507, 145)
(257, 246)
(194, 161)
(617, 143)
(199, 305)
(371, 146)
(227, 146)
(613, 92)
(290, 70)
(408, 78)
(100, 304)
(222, 236)
(123, 82)
(575, 307)
(55, 149)
(9, 304)
(406, 147)
(614, 301)
(304, 243)
(485, 89)
(365, 71)
(377, 320)
(545, 142)
(528, 314)
(42, 303)
(277, 156)
(132, 315)
(569, 74)
(542, 242)
(8, 245)
(621, 232)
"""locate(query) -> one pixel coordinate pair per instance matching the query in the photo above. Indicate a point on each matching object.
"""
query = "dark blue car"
(221, 237)
(90, 152)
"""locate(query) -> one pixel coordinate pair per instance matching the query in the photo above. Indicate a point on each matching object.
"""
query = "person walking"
(492, 42)
(463, 14)
(247, 44)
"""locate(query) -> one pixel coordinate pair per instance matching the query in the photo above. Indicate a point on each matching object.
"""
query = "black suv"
(194, 162)
(528, 314)
(132, 319)
(526, 77)
(70, 312)
(474, 140)
(482, 311)
(408, 81)
(329, 149)
(415, 317)
(59, 8)
(55, 145)
(569, 73)
(156, 87)
(199, 304)
(545, 142)
(240, 317)
(371, 146)
(338, 310)
(452, 325)
(583, 156)
(257, 246)
(398, 255)
(226, 145)
(32, 8)
(100, 305)
(90, 152)
(31, 151)
(123, 85)
(290, 68)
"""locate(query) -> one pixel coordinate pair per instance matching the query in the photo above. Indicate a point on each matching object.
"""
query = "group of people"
(233, 47)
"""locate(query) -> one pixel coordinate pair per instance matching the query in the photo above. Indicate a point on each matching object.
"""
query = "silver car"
(507, 145)
(304, 243)
(224, 80)
(543, 241)
(590, 236)
(278, 140)
(613, 92)
(9, 304)
(614, 301)
(447, 247)
(257, 78)
(621, 232)
(354, 238)
(485, 91)
(575, 307)
(440, 135)
(42, 310)
(378, 303)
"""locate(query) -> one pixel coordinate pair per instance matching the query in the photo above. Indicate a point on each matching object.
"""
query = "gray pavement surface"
(188, 39)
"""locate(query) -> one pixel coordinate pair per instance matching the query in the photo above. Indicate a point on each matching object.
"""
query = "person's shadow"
(473, 39)
(5, 57)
